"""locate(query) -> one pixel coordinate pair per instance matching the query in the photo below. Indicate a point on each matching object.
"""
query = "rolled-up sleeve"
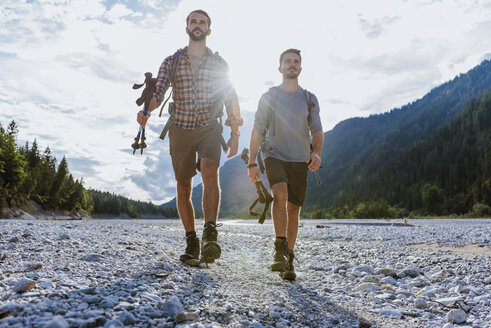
(315, 123)
(163, 79)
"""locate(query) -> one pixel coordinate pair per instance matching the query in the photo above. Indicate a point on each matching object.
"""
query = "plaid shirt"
(199, 97)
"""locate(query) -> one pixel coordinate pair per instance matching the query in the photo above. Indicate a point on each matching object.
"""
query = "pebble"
(115, 323)
(456, 316)
(411, 271)
(366, 286)
(420, 303)
(91, 299)
(186, 316)
(388, 272)
(92, 257)
(109, 302)
(57, 322)
(24, 285)
(256, 324)
(127, 318)
(171, 307)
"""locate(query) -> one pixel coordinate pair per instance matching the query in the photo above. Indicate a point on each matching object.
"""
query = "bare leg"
(280, 195)
(184, 204)
(292, 225)
(211, 189)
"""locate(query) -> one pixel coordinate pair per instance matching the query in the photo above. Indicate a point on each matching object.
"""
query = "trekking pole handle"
(142, 127)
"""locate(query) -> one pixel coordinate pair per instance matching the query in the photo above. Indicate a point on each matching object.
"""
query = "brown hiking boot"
(280, 253)
(210, 250)
(289, 273)
(192, 249)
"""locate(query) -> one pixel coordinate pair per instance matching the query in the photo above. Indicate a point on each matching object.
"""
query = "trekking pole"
(145, 98)
(317, 175)
(263, 195)
(141, 134)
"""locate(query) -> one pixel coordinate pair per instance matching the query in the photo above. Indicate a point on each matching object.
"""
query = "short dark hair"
(291, 50)
(199, 11)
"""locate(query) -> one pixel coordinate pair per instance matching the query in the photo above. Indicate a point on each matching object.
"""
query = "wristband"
(251, 165)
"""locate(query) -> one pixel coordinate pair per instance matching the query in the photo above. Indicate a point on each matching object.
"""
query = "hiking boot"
(192, 249)
(210, 250)
(280, 253)
(289, 273)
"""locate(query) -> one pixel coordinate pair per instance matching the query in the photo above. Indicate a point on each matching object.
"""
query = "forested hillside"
(26, 174)
(107, 203)
(357, 147)
(447, 173)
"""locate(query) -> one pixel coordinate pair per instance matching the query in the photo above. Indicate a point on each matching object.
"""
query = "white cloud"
(67, 67)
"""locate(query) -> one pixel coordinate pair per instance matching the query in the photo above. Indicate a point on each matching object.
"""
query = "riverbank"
(90, 273)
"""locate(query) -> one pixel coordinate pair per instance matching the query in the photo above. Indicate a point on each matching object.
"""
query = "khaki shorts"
(293, 173)
(184, 144)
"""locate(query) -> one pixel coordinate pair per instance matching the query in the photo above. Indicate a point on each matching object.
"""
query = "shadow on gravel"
(318, 310)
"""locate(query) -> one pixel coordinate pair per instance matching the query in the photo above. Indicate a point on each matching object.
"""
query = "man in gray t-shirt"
(285, 115)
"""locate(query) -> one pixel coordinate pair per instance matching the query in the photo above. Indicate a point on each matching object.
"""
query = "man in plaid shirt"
(200, 88)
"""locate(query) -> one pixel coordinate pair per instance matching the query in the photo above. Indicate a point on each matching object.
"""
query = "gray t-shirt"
(288, 136)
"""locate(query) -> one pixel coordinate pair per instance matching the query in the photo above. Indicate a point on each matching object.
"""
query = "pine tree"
(12, 167)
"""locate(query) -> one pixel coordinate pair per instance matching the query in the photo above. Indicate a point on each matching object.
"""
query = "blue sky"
(67, 67)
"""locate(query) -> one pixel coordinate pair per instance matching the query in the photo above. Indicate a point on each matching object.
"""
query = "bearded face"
(197, 34)
(198, 27)
(292, 72)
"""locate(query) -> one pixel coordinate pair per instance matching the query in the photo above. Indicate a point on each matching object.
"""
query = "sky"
(67, 68)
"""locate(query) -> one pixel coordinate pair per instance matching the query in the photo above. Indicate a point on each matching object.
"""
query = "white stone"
(151, 297)
(420, 303)
(366, 286)
(389, 280)
(364, 268)
(411, 271)
(390, 313)
(450, 301)
(456, 316)
(171, 307)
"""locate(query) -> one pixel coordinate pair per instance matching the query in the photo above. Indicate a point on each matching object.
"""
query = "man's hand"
(141, 118)
(253, 173)
(232, 145)
(314, 162)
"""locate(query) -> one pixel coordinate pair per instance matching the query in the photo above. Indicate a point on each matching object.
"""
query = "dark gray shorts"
(184, 144)
(293, 173)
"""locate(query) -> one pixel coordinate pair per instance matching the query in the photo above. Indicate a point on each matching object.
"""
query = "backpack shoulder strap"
(220, 63)
(308, 98)
(176, 60)
(310, 103)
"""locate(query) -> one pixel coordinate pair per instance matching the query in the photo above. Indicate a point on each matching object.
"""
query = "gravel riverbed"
(356, 273)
